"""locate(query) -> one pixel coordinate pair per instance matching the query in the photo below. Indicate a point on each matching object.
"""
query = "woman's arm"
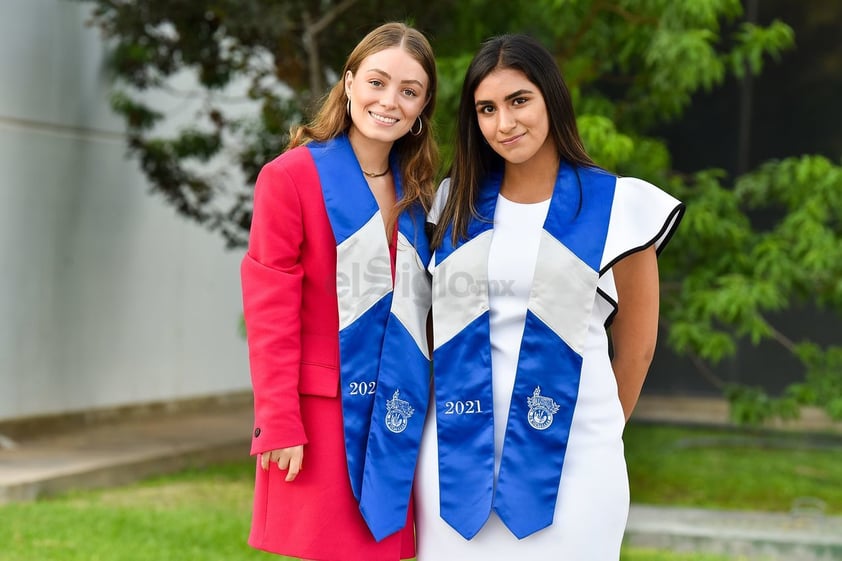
(634, 331)
(271, 277)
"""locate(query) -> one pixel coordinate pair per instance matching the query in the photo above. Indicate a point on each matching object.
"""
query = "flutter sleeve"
(641, 215)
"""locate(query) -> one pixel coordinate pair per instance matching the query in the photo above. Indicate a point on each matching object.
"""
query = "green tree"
(632, 65)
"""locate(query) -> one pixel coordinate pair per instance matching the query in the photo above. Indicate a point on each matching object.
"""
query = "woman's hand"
(287, 459)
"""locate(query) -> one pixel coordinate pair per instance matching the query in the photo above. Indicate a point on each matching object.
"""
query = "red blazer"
(289, 299)
(292, 324)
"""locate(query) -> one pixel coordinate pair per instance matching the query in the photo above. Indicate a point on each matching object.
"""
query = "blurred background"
(107, 297)
(131, 134)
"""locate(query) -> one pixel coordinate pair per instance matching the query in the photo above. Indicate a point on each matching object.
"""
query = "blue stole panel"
(382, 335)
(549, 365)
(403, 386)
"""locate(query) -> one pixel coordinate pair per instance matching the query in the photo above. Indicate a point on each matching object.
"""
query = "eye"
(409, 92)
(485, 109)
(519, 100)
(375, 82)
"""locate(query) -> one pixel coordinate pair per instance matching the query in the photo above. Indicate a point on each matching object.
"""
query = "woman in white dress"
(536, 253)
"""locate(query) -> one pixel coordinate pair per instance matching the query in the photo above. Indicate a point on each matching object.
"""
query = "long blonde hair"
(417, 155)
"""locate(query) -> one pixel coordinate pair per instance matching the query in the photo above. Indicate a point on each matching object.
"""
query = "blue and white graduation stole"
(549, 365)
(384, 358)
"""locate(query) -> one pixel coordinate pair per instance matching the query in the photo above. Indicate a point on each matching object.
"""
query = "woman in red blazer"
(337, 228)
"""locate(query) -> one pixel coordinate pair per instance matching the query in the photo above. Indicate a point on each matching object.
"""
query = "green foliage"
(138, 116)
(755, 42)
(607, 145)
(752, 406)
(451, 70)
(739, 277)
(632, 65)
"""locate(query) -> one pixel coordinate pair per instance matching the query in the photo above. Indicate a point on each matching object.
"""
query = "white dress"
(593, 498)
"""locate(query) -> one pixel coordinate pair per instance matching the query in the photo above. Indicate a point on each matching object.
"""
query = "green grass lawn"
(203, 515)
(194, 515)
(650, 555)
(732, 469)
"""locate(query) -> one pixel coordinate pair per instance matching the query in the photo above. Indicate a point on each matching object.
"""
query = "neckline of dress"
(502, 198)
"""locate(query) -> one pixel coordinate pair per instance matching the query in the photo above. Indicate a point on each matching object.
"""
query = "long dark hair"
(417, 155)
(474, 158)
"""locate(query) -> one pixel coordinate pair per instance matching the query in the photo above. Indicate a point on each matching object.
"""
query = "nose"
(388, 98)
(505, 120)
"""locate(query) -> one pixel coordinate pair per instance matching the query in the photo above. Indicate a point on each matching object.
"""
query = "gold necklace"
(370, 174)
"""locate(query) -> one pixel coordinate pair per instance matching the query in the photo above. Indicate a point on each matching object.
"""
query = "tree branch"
(630, 17)
(705, 371)
(311, 44)
(701, 366)
(328, 17)
(782, 339)
(587, 22)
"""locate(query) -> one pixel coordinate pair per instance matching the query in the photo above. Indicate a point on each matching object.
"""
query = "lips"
(512, 139)
(383, 118)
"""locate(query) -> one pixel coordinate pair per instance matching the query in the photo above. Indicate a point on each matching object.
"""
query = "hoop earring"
(420, 127)
(348, 107)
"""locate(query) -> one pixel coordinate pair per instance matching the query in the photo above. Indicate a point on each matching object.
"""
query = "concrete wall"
(107, 298)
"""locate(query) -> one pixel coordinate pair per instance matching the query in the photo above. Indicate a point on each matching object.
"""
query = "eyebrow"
(387, 75)
(507, 98)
